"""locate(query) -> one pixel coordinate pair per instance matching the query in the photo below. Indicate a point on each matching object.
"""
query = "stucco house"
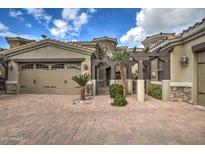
(176, 63)
(47, 66)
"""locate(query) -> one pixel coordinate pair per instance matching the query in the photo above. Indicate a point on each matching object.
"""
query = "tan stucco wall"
(154, 65)
(46, 52)
(135, 68)
(181, 73)
(186, 74)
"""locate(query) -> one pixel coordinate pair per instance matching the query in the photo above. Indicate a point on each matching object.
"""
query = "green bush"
(115, 89)
(154, 91)
(119, 100)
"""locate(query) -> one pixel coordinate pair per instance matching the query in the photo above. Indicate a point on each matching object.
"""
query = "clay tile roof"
(194, 26)
(105, 38)
(159, 34)
(54, 41)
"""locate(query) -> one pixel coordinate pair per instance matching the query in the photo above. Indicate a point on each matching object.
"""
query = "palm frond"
(120, 56)
(81, 80)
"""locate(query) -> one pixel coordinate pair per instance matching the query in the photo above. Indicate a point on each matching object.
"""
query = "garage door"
(53, 78)
(201, 78)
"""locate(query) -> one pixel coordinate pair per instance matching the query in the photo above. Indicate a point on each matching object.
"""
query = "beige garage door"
(54, 78)
(201, 78)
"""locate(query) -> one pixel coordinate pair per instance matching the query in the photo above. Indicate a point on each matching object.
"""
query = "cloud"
(133, 36)
(71, 22)
(40, 15)
(16, 14)
(91, 10)
(152, 21)
(4, 32)
(28, 25)
(70, 14)
(60, 28)
(3, 27)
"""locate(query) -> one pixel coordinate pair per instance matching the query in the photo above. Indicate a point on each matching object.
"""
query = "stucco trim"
(181, 84)
(11, 82)
(156, 82)
(179, 41)
(41, 44)
(50, 60)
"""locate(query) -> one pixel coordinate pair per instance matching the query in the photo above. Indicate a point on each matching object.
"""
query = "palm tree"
(82, 80)
(121, 57)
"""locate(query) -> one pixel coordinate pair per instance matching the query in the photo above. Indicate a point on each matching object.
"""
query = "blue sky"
(129, 26)
(100, 22)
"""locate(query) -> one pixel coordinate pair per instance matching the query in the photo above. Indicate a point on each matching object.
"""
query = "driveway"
(53, 119)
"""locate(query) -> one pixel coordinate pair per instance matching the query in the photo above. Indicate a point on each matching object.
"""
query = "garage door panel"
(201, 99)
(201, 78)
(54, 81)
(201, 57)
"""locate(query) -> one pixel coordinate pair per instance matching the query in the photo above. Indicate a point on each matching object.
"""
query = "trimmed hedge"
(155, 91)
(119, 100)
(115, 89)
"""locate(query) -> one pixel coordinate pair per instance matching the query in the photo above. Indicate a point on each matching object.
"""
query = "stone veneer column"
(140, 83)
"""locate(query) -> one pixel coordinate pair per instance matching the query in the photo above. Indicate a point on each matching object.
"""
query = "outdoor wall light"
(131, 58)
(153, 75)
(11, 67)
(85, 66)
(184, 60)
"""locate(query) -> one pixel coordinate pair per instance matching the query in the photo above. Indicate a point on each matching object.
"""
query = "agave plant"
(82, 80)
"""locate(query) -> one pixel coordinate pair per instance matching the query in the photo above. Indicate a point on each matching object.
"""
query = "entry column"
(166, 80)
(140, 83)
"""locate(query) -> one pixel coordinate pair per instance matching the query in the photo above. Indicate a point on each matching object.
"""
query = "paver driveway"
(52, 119)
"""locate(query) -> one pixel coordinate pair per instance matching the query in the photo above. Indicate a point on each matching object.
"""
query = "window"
(42, 66)
(57, 66)
(27, 66)
(160, 70)
(117, 75)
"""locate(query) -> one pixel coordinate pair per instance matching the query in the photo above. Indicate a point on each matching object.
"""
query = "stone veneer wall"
(181, 94)
(11, 87)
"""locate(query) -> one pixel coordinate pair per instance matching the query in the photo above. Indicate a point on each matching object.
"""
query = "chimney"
(17, 41)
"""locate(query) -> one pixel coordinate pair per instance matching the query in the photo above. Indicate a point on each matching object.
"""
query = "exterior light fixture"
(85, 66)
(153, 75)
(131, 58)
(11, 67)
(184, 60)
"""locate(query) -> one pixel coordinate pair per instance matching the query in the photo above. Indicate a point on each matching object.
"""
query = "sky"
(129, 26)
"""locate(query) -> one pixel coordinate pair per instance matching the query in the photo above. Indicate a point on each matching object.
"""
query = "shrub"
(154, 91)
(115, 89)
(119, 100)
